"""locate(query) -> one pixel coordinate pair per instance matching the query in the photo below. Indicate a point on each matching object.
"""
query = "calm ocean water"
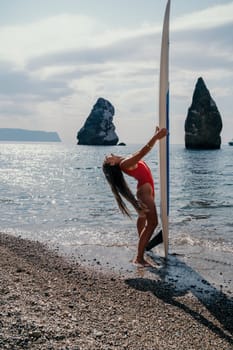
(57, 193)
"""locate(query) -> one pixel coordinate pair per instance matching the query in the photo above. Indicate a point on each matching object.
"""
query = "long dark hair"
(120, 188)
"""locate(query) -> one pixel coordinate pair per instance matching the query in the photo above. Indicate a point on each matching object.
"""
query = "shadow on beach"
(175, 279)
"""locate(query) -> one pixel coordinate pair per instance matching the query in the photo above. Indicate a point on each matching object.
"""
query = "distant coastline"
(24, 135)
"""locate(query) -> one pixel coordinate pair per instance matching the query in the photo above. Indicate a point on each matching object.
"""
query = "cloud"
(10, 107)
(143, 45)
(125, 50)
(211, 17)
(19, 82)
(20, 42)
(71, 40)
(213, 50)
(61, 33)
(64, 62)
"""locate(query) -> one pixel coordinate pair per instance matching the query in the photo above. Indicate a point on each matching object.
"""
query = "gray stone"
(203, 124)
(99, 128)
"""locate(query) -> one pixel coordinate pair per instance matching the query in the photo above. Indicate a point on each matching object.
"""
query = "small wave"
(207, 204)
(183, 240)
(71, 220)
(199, 204)
(216, 261)
(88, 168)
(190, 217)
(6, 201)
(199, 216)
(219, 245)
(202, 203)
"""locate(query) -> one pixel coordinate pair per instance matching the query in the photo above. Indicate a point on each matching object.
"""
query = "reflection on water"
(48, 189)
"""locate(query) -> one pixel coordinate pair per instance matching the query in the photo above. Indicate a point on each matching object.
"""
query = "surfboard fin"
(155, 241)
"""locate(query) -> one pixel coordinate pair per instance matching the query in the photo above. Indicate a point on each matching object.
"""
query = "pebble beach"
(49, 302)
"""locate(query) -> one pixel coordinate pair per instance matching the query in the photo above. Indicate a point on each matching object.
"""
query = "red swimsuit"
(142, 173)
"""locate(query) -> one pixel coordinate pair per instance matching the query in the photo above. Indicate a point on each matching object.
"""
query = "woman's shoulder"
(124, 166)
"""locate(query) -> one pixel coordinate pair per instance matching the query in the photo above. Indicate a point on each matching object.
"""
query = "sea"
(57, 194)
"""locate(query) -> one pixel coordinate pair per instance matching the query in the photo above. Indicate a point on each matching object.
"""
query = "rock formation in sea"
(203, 123)
(98, 128)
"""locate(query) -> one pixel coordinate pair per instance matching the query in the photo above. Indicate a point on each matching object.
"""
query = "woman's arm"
(132, 160)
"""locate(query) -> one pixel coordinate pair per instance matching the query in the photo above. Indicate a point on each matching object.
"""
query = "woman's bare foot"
(141, 263)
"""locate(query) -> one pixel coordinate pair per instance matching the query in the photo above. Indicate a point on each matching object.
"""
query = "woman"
(144, 204)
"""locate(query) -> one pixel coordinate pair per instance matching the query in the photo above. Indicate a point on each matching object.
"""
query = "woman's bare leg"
(146, 234)
(145, 195)
(141, 223)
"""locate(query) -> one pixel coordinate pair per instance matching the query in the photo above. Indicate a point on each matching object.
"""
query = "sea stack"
(203, 123)
(99, 128)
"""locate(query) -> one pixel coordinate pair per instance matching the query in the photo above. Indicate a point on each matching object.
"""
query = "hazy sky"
(58, 56)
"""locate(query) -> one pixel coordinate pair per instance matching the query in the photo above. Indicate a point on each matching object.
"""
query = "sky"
(57, 57)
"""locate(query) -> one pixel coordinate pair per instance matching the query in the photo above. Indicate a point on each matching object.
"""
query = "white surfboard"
(164, 123)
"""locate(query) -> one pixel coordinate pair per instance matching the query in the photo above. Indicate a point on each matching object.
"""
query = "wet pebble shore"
(50, 303)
